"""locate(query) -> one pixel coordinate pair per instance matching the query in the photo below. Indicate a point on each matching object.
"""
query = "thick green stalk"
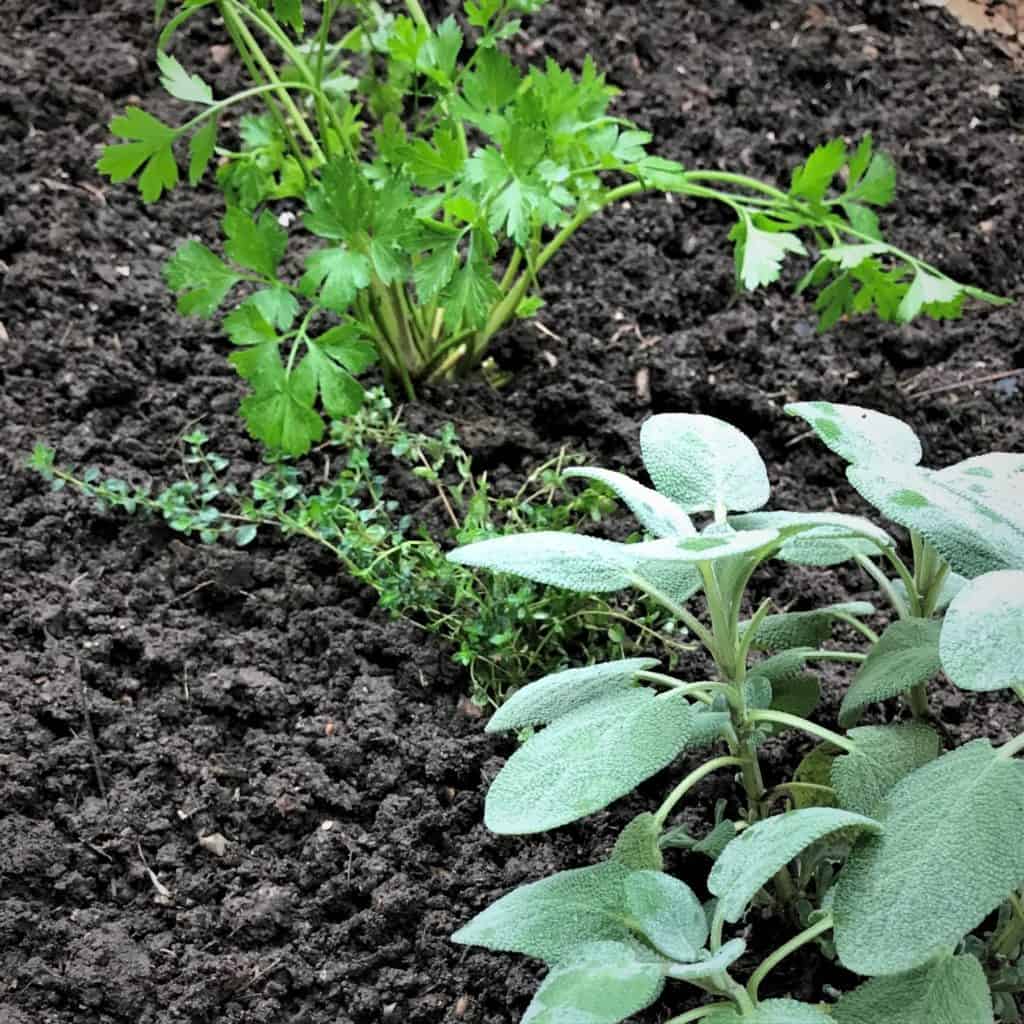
(902, 608)
(230, 13)
(795, 789)
(322, 116)
(269, 99)
(416, 13)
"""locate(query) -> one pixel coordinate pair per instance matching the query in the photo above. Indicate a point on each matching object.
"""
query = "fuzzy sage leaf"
(976, 531)
(949, 852)
(818, 538)
(561, 693)
(804, 629)
(772, 1011)
(885, 754)
(947, 990)
(549, 919)
(757, 853)
(602, 983)
(906, 656)
(668, 914)
(859, 435)
(982, 640)
(703, 464)
(585, 760)
(655, 512)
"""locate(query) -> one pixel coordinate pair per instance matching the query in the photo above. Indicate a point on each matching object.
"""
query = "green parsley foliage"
(437, 179)
(859, 272)
(288, 368)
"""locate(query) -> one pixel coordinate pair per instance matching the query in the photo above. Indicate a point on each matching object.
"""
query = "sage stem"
(689, 782)
(812, 729)
(773, 960)
(698, 1013)
(1014, 746)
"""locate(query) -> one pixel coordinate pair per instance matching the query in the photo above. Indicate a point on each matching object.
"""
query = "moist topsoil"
(154, 691)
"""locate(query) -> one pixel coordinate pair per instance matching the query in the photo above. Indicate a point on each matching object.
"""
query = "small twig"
(157, 884)
(799, 437)
(87, 718)
(99, 850)
(988, 379)
(260, 975)
(189, 593)
(547, 332)
(910, 385)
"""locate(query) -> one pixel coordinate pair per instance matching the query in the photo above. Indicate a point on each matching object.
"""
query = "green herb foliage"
(437, 179)
(887, 848)
(502, 630)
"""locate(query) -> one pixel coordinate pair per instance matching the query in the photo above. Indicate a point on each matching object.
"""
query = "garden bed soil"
(231, 790)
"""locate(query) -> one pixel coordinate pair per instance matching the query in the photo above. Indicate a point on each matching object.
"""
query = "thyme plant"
(500, 630)
(896, 856)
(437, 180)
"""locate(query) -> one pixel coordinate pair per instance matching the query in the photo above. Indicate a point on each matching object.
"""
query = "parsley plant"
(437, 181)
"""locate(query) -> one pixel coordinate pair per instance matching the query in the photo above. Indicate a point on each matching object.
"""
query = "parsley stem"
(325, 110)
(417, 15)
(501, 314)
(388, 337)
(691, 780)
(511, 269)
(330, 8)
(270, 73)
(811, 728)
(565, 233)
(178, 20)
(300, 338)
(773, 960)
(271, 102)
(846, 228)
(741, 180)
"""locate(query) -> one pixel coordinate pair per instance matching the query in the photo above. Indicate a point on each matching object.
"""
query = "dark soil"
(153, 692)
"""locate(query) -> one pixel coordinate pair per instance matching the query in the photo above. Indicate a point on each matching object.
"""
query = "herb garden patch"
(539, 533)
